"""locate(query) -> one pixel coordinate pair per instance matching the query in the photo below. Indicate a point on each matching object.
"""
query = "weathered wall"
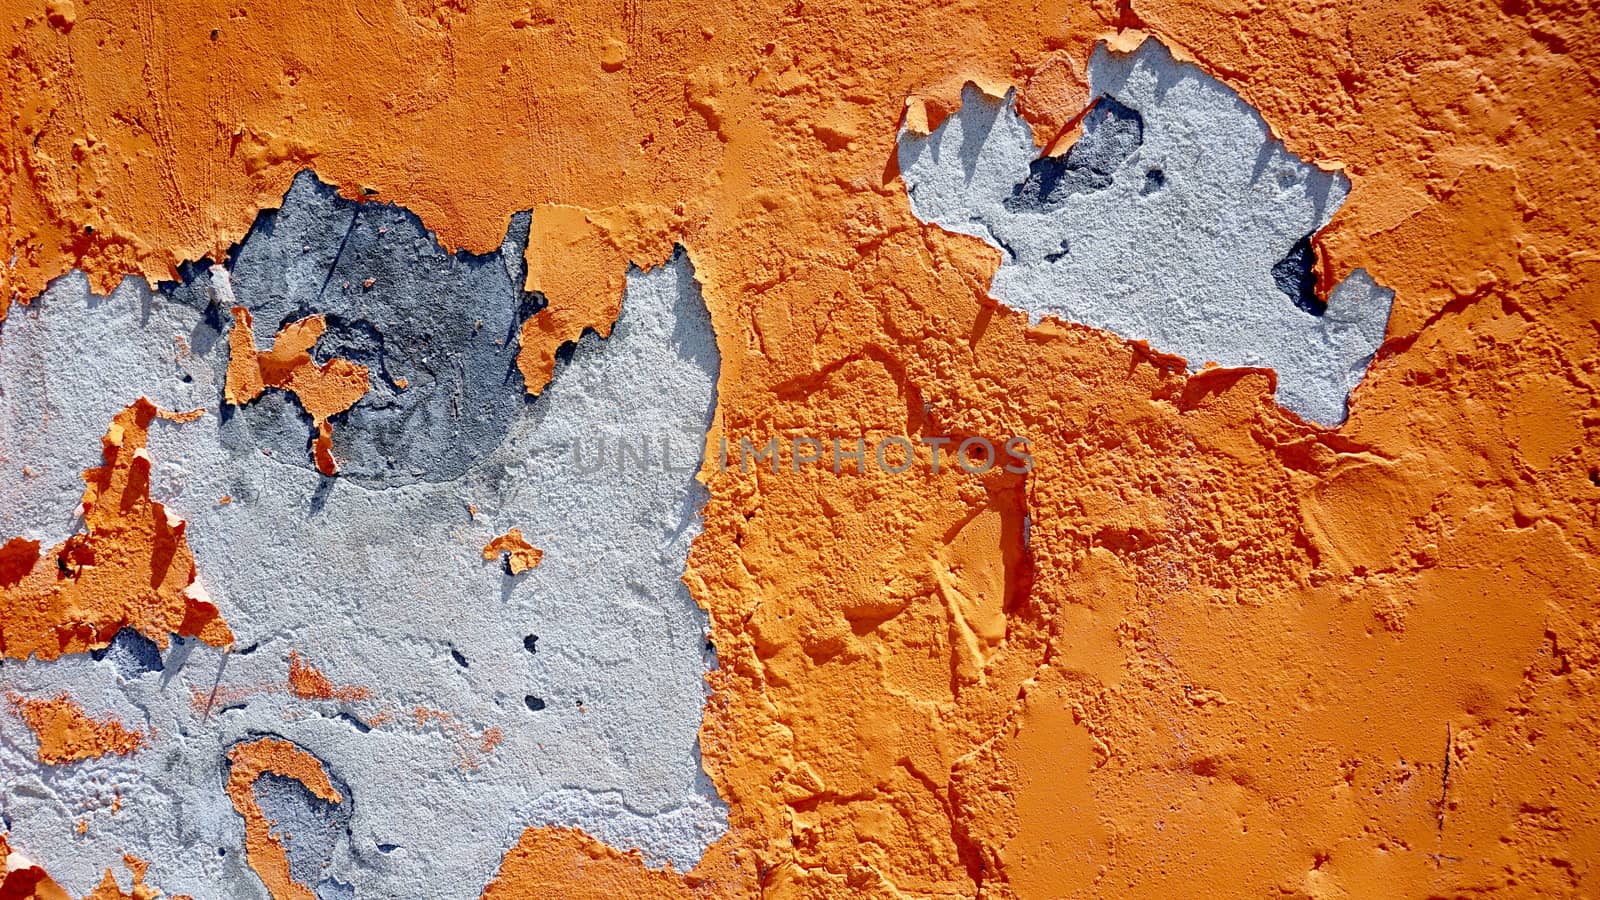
(1219, 635)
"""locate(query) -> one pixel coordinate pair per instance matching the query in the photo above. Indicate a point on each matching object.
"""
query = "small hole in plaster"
(534, 703)
(1154, 180)
(388, 848)
(531, 643)
(222, 851)
(456, 655)
(1594, 477)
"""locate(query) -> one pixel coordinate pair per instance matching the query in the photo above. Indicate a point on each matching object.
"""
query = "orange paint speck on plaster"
(67, 734)
(308, 683)
(1237, 650)
(520, 555)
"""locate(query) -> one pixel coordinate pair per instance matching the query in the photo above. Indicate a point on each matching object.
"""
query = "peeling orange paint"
(308, 683)
(323, 390)
(565, 862)
(66, 734)
(1247, 648)
(574, 262)
(22, 879)
(130, 566)
(519, 554)
(263, 849)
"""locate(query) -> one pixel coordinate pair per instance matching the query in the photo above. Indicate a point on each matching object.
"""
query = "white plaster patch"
(1168, 231)
(383, 588)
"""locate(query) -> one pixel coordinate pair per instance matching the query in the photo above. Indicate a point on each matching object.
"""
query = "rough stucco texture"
(307, 312)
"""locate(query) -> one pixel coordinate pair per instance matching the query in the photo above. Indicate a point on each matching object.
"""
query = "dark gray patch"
(1154, 180)
(1112, 132)
(534, 703)
(436, 330)
(131, 653)
(1295, 275)
(310, 828)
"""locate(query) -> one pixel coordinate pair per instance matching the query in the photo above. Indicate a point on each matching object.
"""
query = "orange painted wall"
(1243, 652)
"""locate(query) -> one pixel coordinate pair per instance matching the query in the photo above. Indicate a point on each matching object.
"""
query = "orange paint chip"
(1055, 93)
(130, 566)
(67, 734)
(520, 555)
(565, 862)
(323, 390)
(492, 738)
(263, 850)
(201, 701)
(308, 683)
(576, 263)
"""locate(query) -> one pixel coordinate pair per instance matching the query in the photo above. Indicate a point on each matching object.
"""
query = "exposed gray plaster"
(1175, 219)
(378, 580)
(309, 828)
